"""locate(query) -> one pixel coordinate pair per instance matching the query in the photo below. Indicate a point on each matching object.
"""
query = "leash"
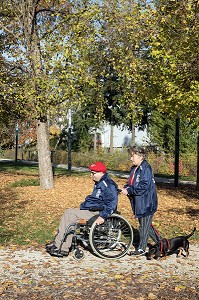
(161, 241)
(157, 232)
(162, 246)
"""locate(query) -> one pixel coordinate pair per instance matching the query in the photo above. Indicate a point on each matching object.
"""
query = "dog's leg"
(186, 248)
(179, 253)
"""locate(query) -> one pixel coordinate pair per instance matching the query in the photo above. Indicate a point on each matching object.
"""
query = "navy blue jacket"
(142, 193)
(104, 197)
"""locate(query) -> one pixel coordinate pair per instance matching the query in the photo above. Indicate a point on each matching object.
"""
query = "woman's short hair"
(138, 150)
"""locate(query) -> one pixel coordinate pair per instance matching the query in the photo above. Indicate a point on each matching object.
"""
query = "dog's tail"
(189, 235)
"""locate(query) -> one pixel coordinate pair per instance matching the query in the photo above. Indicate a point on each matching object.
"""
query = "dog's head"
(154, 252)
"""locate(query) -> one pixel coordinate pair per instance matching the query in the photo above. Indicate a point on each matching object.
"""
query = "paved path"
(126, 175)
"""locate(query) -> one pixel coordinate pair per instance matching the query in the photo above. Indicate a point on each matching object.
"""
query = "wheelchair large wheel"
(112, 239)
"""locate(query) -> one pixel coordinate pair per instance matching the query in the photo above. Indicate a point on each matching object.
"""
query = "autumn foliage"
(32, 215)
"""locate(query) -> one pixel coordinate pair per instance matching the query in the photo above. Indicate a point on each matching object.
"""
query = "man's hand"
(99, 220)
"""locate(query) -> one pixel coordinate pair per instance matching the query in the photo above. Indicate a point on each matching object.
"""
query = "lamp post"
(177, 146)
(16, 141)
(69, 139)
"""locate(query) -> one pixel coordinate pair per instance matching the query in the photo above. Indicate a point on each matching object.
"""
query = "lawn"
(30, 215)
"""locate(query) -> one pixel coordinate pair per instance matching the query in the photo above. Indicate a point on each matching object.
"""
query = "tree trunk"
(44, 156)
(197, 179)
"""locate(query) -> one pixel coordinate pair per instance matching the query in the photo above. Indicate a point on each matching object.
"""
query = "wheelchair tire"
(112, 239)
(78, 254)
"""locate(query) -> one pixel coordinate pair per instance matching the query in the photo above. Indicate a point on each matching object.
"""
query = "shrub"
(162, 164)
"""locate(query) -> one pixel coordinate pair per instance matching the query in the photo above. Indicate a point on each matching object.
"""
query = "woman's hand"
(124, 191)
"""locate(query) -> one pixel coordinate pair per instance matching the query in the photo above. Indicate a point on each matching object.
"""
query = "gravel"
(32, 274)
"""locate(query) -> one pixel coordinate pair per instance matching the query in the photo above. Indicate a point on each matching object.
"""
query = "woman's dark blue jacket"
(103, 198)
(142, 193)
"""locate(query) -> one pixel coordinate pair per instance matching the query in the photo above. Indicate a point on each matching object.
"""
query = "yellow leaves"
(119, 276)
(89, 270)
(6, 285)
(6, 266)
(179, 288)
(111, 284)
(43, 209)
(54, 130)
(133, 65)
(100, 292)
(70, 284)
(162, 20)
(152, 296)
(79, 284)
(142, 278)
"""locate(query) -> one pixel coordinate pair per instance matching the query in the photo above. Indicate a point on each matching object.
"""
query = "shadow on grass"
(18, 168)
(187, 211)
(187, 191)
(190, 197)
(31, 168)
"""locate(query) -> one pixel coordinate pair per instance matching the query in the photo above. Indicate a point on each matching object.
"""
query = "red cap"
(98, 167)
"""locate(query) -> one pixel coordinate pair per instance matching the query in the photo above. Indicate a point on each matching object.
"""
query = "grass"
(168, 176)
(27, 231)
(25, 168)
(25, 182)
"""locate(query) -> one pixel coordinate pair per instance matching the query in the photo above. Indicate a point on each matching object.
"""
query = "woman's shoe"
(137, 252)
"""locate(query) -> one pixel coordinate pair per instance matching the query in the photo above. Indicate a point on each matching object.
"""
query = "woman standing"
(141, 190)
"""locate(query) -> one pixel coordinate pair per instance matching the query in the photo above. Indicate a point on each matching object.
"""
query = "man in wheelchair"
(102, 202)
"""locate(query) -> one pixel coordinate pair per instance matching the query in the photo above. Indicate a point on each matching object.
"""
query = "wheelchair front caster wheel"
(78, 254)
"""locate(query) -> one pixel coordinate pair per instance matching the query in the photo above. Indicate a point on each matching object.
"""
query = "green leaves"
(174, 51)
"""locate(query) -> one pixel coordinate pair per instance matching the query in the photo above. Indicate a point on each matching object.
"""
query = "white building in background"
(122, 137)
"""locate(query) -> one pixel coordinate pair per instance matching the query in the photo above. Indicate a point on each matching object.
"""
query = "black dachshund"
(170, 246)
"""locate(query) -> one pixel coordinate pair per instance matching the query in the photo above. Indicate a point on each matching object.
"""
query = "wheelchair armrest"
(89, 222)
(95, 208)
(92, 220)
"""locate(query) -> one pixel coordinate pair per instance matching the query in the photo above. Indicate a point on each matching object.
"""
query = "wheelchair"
(110, 240)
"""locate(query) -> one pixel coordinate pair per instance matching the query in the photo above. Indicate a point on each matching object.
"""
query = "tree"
(113, 55)
(118, 60)
(9, 112)
(161, 130)
(44, 68)
(174, 64)
(174, 76)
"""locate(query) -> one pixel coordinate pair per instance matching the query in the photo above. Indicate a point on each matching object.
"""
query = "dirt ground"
(28, 272)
